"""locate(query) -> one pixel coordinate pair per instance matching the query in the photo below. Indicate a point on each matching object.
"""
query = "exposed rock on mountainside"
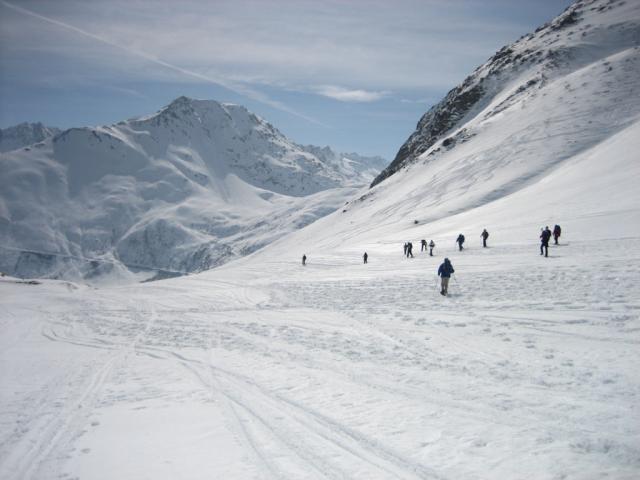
(537, 59)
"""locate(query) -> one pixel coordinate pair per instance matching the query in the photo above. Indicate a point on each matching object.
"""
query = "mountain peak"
(189, 187)
(182, 100)
(181, 106)
(193, 110)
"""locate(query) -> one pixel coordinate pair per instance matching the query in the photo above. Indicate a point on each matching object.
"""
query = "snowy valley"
(263, 368)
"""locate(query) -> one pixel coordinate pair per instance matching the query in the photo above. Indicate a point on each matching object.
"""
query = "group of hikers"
(484, 235)
(545, 236)
(408, 246)
(446, 268)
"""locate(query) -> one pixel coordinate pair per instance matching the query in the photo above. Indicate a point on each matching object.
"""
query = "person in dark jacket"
(409, 250)
(556, 233)
(460, 241)
(365, 257)
(423, 245)
(431, 247)
(304, 259)
(444, 272)
(406, 247)
(545, 236)
(484, 236)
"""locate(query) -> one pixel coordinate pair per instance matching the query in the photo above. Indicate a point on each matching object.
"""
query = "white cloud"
(219, 80)
(348, 95)
(253, 46)
(373, 44)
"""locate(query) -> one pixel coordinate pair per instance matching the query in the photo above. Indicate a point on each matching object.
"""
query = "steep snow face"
(590, 37)
(557, 97)
(24, 134)
(182, 190)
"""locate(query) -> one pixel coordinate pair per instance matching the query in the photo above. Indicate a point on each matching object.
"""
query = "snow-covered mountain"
(587, 51)
(182, 190)
(351, 164)
(553, 102)
(263, 368)
(24, 134)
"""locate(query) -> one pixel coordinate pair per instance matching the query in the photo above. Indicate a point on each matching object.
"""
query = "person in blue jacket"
(444, 272)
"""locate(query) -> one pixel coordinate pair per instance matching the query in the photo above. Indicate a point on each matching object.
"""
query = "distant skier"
(406, 247)
(431, 247)
(444, 272)
(365, 257)
(484, 236)
(460, 241)
(545, 236)
(409, 250)
(304, 259)
(423, 245)
(556, 233)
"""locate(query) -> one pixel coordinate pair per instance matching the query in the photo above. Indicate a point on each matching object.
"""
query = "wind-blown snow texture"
(183, 190)
(263, 368)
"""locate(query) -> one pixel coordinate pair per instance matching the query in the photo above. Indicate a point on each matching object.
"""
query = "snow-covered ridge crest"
(586, 32)
(187, 188)
(24, 134)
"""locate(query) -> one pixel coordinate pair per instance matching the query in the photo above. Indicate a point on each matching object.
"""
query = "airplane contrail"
(233, 86)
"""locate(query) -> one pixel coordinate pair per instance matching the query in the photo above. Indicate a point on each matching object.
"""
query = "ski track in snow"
(73, 397)
(350, 371)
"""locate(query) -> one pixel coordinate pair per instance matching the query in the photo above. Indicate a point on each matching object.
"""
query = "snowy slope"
(24, 134)
(263, 368)
(586, 51)
(182, 190)
(540, 117)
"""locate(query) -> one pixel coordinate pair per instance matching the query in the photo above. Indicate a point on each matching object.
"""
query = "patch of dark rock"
(433, 124)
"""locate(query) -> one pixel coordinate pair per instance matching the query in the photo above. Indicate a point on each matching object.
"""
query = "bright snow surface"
(263, 368)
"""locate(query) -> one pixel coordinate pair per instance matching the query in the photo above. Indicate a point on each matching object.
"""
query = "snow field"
(335, 370)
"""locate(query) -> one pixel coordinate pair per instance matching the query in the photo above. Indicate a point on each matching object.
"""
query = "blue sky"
(353, 74)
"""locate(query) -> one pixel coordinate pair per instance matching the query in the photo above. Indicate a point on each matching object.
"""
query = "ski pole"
(456, 282)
